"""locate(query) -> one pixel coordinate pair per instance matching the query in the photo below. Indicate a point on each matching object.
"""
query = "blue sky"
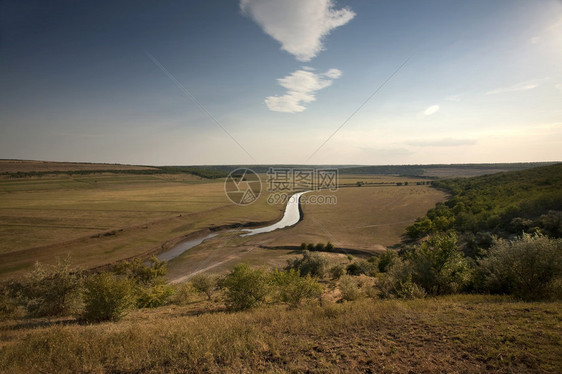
(266, 81)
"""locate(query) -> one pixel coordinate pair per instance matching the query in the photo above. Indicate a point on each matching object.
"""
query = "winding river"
(291, 216)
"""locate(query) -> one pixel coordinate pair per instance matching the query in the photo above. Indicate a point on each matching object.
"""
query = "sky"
(368, 82)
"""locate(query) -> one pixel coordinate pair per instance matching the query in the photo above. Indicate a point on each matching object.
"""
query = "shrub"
(107, 297)
(141, 273)
(153, 296)
(398, 276)
(529, 268)
(183, 293)
(337, 271)
(150, 286)
(246, 287)
(310, 263)
(386, 260)
(438, 266)
(329, 247)
(409, 290)
(319, 247)
(310, 247)
(291, 288)
(50, 290)
(361, 267)
(303, 246)
(205, 283)
(349, 288)
(8, 303)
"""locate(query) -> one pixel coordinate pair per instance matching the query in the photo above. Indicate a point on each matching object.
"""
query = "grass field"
(455, 334)
(365, 221)
(99, 219)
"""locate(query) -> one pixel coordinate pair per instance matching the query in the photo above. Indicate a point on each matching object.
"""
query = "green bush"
(386, 260)
(393, 282)
(337, 271)
(141, 273)
(107, 297)
(8, 303)
(291, 288)
(319, 247)
(349, 288)
(439, 267)
(361, 267)
(183, 293)
(246, 287)
(529, 268)
(50, 290)
(150, 286)
(153, 296)
(204, 283)
(329, 247)
(310, 263)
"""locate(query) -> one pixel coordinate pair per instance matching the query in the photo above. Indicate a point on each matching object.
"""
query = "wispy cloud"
(454, 98)
(559, 86)
(301, 86)
(515, 88)
(431, 110)
(299, 25)
(447, 142)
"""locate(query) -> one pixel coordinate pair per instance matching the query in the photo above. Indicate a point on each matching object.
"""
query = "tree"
(205, 283)
(50, 290)
(246, 287)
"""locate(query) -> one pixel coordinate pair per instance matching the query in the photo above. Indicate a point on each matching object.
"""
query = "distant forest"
(221, 171)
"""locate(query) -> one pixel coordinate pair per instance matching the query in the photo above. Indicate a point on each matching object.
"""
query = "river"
(291, 216)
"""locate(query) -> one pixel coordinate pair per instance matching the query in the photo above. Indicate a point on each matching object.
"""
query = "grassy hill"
(501, 204)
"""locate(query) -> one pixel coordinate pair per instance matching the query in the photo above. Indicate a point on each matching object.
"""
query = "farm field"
(365, 221)
(99, 219)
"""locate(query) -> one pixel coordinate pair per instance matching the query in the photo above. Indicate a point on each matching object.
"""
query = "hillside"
(470, 334)
(501, 204)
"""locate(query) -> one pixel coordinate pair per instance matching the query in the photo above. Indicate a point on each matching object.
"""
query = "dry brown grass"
(364, 218)
(459, 334)
(364, 222)
(99, 219)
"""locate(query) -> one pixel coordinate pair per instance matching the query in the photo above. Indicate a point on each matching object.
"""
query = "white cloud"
(299, 25)
(301, 86)
(446, 142)
(518, 87)
(454, 98)
(431, 110)
(559, 86)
